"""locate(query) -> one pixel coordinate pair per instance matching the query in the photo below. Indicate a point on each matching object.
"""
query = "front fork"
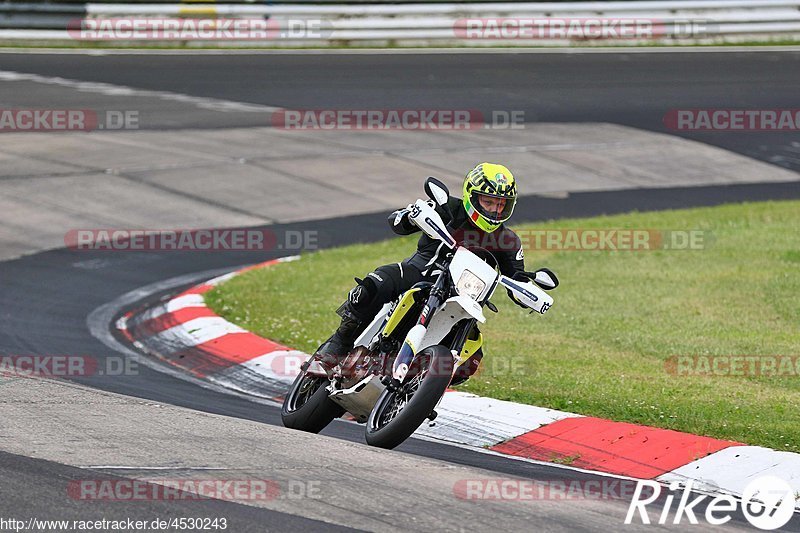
(412, 341)
(460, 339)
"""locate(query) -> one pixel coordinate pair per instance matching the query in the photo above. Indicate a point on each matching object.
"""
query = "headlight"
(470, 284)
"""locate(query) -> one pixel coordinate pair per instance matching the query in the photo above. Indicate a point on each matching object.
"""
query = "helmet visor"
(496, 209)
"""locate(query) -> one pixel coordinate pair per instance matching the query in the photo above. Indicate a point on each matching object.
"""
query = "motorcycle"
(402, 363)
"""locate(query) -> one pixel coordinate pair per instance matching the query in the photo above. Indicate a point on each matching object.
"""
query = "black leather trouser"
(379, 287)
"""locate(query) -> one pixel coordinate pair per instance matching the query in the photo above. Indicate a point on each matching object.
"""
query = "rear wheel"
(397, 414)
(307, 406)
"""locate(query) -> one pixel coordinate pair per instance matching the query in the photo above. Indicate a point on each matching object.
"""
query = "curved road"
(634, 89)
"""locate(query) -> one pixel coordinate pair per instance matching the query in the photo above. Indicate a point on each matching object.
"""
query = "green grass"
(618, 316)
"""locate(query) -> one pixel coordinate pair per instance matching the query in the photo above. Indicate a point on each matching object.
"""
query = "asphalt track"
(27, 480)
(45, 298)
(632, 89)
(44, 311)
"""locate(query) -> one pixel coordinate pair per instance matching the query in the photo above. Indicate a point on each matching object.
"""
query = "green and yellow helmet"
(495, 182)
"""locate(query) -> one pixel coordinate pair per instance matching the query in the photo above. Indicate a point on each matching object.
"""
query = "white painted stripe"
(280, 365)
(194, 332)
(221, 279)
(122, 467)
(731, 469)
(213, 104)
(176, 304)
(187, 300)
(225, 277)
(146, 315)
(479, 421)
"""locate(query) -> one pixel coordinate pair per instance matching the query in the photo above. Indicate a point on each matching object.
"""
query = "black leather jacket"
(503, 243)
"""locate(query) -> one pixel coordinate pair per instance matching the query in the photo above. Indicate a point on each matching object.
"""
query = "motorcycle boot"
(353, 323)
(339, 345)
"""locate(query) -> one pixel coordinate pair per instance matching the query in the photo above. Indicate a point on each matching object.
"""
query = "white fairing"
(466, 260)
(374, 327)
(428, 220)
(529, 294)
(470, 306)
(415, 337)
(451, 312)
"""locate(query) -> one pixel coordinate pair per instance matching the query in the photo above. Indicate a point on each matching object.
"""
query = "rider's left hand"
(522, 277)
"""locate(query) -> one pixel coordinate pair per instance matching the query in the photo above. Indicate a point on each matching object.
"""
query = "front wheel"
(307, 406)
(397, 414)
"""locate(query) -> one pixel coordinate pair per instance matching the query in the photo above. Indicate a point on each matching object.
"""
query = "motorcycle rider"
(477, 218)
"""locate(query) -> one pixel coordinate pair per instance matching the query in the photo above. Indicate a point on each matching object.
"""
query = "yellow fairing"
(470, 347)
(406, 302)
(400, 311)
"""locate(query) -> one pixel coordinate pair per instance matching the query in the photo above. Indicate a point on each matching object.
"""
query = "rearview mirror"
(437, 191)
(546, 279)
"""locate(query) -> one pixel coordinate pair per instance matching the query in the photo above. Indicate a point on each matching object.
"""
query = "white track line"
(110, 89)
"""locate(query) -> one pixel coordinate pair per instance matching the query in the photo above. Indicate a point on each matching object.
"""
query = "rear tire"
(307, 406)
(388, 429)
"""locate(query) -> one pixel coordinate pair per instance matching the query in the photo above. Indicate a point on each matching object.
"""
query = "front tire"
(307, 406)
(398, 414)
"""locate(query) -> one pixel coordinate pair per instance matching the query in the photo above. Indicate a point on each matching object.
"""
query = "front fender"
(453, 310)
(470, 306)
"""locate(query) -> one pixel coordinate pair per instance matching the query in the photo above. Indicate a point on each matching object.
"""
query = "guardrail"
(470, 23)
(39, 15)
